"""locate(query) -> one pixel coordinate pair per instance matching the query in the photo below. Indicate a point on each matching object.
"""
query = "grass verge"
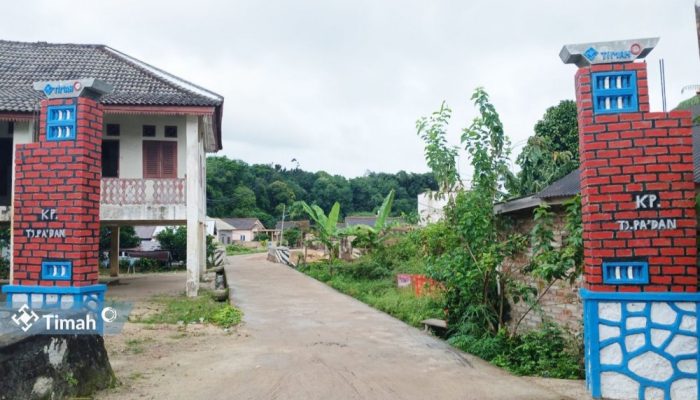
(380, 293)
(202, 309)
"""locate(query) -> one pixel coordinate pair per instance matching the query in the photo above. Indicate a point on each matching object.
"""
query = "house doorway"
(5, 171)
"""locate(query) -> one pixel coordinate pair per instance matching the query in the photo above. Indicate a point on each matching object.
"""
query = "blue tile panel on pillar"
(641, 344)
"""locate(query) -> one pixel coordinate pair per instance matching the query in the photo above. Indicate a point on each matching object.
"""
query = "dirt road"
(303, 340)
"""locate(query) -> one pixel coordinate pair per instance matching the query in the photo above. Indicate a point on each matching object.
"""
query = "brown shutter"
(168, 160)
(151, 159)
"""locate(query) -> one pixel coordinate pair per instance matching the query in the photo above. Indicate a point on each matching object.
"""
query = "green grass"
(237, 250)
(380, 293)
(135, 346)
(193, 310)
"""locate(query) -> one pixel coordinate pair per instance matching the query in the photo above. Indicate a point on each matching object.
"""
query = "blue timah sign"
(71, 88)
(585, 54)
(50, 90)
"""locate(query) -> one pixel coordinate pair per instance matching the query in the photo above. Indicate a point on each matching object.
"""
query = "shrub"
(548, 352)
(4, 269)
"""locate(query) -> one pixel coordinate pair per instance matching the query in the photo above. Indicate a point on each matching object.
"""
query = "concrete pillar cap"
(616, 51)
(73, 88)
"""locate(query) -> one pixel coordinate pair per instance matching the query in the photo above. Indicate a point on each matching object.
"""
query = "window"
(614, 92)
(60, 123)
(149, 131)
(110, 159)
(625, 272)
(170, 131)
(10, 128)
(113, 130)
(159, 159)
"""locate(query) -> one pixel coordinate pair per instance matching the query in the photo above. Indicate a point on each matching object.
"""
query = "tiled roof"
(135, 82)
(244, 224)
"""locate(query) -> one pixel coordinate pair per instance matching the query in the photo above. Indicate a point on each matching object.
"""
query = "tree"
(474, 244)
(243, 201)
(441, 158)
(174, 241)
(550, 153)
(127, 238)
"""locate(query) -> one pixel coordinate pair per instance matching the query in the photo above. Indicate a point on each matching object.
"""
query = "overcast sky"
(338, 85)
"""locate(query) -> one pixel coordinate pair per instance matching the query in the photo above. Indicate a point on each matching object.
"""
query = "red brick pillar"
(637, 189)
(640, 297)
(56, 206)
(57, 202)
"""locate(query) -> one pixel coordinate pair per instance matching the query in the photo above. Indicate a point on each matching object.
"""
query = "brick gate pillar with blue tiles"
(639, 229)
(56, 203)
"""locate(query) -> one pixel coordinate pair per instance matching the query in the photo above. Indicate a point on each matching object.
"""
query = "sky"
(339, 85)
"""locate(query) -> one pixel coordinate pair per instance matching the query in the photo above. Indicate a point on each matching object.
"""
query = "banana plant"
(372, 236)
(326, 226)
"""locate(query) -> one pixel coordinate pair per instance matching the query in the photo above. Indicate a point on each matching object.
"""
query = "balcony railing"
(143, 191)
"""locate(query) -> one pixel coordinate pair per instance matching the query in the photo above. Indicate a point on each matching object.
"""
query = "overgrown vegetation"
(473, 247)
(470, 251)
(372, 281)
(201, 309)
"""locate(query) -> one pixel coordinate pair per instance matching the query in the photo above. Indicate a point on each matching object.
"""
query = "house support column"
(114, 251)
(196, 193)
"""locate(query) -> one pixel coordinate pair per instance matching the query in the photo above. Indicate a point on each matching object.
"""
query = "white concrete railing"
(143, 191)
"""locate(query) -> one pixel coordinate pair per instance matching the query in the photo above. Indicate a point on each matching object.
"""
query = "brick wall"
(627, 153)
(62, 176)
(561, 304)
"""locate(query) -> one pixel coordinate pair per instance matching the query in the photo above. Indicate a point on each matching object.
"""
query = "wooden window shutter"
(168, 160)
(151, 159)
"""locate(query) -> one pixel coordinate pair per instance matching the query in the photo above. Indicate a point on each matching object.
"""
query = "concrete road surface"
(307, 341)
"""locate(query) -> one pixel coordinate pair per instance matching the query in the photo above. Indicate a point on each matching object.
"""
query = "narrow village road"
(307, 341)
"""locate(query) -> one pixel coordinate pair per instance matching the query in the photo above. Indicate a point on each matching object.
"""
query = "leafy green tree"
(441, 157)
(174, 241)
(244, 200)
(127, 238)
(550, 153)
(473, 243)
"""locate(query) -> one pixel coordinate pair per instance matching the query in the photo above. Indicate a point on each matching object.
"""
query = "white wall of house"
(431, 207)
(131, 141)
(237, 235)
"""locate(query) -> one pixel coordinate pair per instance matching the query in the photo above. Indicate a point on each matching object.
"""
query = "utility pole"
(284, 210)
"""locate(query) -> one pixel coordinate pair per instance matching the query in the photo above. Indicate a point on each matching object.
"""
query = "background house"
(231, 230)
(157, 129)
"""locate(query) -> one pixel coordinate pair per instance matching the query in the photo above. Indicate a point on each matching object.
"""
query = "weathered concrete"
(53, 366)
(308, 341)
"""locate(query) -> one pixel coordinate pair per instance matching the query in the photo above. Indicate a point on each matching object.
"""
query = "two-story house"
(157, 131)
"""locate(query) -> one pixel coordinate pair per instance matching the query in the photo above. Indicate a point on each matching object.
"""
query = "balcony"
(143, 200)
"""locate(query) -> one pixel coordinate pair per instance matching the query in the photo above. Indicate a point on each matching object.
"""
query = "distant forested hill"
(237, 189)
